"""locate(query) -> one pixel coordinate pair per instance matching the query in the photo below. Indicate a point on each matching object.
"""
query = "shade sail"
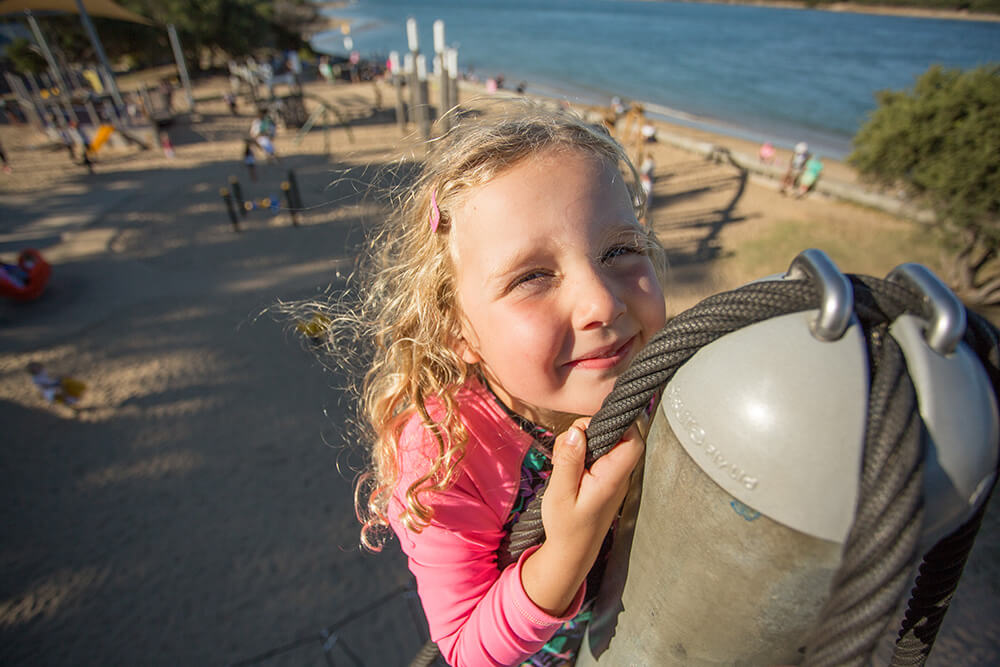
(102, 8)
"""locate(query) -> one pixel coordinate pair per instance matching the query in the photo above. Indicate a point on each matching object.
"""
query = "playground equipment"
(37, 271)
(818, 435)
(237, 207)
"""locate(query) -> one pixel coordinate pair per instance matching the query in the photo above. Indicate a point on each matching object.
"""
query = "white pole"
(411, 35)
(439, 47)
(422, 111)
(452, 58)
(175, 44)
(397, 84)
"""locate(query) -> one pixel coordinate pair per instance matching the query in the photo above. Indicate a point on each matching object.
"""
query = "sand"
(197, 510)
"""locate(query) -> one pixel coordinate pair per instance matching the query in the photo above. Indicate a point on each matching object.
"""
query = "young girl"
(510, 291)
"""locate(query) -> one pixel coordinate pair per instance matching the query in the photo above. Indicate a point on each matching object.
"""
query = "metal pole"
(230, 209)
(410, 71)
(423, 108)
(30, 107)
(99, 48)
(290, 200)
(452, 78)
(53, 67)
(234, 186)
(175, 44)
(410, 66)
(326, 132)
(440, 68)
(397, 84)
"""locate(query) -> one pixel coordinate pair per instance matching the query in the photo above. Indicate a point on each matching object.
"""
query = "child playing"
(512, 288)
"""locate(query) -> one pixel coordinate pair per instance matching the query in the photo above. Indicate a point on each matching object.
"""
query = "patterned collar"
(544, 437)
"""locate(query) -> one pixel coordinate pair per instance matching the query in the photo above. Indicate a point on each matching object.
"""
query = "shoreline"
(854, 8)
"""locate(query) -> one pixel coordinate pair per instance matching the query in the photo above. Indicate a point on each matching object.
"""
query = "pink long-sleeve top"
(477, 615)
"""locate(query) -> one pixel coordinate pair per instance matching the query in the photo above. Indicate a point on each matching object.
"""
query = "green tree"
(24, 56)
(940, 141)
(209, 30)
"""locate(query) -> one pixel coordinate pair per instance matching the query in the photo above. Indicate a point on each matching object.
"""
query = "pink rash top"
(476, 614)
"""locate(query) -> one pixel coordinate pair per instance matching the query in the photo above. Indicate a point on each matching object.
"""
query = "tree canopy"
(940, 141)
(208, 30)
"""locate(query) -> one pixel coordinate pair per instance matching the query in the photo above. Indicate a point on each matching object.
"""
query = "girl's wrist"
(551, 578)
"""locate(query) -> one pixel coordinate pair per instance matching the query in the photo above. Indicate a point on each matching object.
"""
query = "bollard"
(234, 186)
(452, 78)
(290, 200)
(423, 108)
(397, 84)
(229, 208)
(296, 195)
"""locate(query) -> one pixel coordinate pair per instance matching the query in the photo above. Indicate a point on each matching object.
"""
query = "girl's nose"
(596, 301)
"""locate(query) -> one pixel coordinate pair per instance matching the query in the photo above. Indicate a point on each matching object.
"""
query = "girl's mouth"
(608, 357)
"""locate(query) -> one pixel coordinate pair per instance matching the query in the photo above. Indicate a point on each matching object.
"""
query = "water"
(755, 72)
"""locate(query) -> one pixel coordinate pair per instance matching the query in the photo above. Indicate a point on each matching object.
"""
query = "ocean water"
(783, 75)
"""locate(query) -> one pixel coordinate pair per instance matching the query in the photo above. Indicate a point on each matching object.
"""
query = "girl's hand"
(577, 511)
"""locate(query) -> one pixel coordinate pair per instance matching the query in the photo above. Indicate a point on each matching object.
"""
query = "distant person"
(795, 166)
(63, 389)
(78, 138)
(810, 174)
(646, 183)
(168, 148)
(263, 131)
(230, 101)
(648, 131)
(167, 91)
(325, 70)
(766, 153)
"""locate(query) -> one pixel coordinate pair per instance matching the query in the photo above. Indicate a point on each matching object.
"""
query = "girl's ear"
(466, 344)
(467, 352)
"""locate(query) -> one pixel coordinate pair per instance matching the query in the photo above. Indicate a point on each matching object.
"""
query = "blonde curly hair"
(407, 310)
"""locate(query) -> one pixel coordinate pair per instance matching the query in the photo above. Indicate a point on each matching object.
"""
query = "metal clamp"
(836, 295)
(947, 325)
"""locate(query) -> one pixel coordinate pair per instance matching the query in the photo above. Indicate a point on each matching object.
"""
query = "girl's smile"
(554, 283)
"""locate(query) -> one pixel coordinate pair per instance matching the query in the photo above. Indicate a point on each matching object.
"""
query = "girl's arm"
(577, 511)
(478, 615)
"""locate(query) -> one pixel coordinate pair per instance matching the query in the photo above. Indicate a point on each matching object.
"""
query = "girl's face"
(555, 288)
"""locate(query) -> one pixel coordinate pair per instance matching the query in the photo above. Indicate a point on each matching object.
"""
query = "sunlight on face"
(555, 287)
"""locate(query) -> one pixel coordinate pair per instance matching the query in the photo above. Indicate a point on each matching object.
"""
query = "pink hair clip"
(435, 212)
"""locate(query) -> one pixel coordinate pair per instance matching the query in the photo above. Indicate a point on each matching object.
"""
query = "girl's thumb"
(568, 455)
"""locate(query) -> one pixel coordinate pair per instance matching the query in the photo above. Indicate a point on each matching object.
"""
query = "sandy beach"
(198, 508)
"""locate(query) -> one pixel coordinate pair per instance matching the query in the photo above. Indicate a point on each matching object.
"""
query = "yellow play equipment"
(100, 137)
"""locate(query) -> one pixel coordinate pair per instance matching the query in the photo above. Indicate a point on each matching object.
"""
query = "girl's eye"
(615, 251)
(529, 279)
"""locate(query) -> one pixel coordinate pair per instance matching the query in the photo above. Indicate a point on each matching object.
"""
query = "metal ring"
(836, 298)
(947, 325)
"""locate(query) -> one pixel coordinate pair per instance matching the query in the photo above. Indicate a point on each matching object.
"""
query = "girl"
(510, 291)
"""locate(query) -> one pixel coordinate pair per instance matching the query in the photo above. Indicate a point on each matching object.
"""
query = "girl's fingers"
(568, 455)
(618, 463)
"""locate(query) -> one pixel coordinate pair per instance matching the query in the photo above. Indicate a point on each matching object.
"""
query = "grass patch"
(856, 247)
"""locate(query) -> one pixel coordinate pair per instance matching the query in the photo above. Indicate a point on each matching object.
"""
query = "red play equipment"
(37, 272)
